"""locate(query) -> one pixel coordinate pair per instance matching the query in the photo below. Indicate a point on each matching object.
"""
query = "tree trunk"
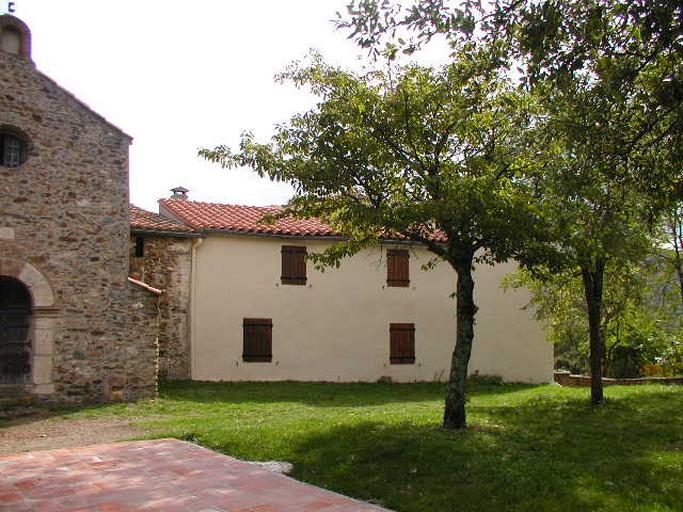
(679, 264)
(676, 228)
(593, 284)
(454, 414)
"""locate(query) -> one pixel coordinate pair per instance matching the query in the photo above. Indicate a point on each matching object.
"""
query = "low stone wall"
(167, 265)
(142, 346)
(565, 378)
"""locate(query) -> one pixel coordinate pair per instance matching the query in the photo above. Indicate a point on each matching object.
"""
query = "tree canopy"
(439, 157)
(607, 74)
(570, 165)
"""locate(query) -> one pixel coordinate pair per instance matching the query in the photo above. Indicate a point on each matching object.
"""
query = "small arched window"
(12, 150)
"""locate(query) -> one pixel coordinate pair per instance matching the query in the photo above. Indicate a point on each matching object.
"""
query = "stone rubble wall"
(142, 349)
(167, 265)
(65, 212)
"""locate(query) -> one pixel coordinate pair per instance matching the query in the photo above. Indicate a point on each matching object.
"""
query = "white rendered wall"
(336, 327)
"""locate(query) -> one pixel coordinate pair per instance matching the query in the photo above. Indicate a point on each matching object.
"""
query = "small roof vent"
(179, 193)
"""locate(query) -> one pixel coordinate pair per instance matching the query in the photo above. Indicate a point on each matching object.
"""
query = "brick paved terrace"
(165, 474)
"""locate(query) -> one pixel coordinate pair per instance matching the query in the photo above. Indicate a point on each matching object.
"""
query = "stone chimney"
(179, 193)
(15, 36)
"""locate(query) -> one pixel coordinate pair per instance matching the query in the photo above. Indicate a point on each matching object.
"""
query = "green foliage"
(530, 448)
(436, 156)
(614, 41)
(642, 319)
(607, 79)
(410, 154)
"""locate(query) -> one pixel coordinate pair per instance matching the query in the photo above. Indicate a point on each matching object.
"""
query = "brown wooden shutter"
(398, 268)
(258, 340)
(293, 264)
(402, 343)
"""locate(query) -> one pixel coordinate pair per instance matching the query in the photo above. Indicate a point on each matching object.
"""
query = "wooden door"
(15, 330)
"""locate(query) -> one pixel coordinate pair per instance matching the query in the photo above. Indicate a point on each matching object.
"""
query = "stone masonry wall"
(167, 265)
(65, 213)
(142, 349)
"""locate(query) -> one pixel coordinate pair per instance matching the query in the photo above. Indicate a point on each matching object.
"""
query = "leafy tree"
(550, 38)
(641, 323)
(433, 156)
(598, 142)
(609, 75)
(611, 93)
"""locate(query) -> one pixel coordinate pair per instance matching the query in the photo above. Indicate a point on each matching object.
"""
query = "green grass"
(529, 448)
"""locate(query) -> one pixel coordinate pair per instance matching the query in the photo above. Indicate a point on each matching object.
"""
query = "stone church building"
(100, 299)
(73, 326)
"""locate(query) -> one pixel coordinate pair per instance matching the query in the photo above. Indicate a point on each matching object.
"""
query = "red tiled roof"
(247, 219)
(147, 221)
(242, 219)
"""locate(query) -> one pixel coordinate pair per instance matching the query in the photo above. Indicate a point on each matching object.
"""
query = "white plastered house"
(260, 311)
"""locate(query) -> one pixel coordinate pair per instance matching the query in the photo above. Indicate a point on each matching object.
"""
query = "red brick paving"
(166, 475)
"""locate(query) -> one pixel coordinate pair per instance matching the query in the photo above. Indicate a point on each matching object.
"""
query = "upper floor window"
(293, 264)
(398, 268)
(12, 150)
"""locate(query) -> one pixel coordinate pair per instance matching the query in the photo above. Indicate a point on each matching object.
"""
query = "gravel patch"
(44, 432)
(276, 466)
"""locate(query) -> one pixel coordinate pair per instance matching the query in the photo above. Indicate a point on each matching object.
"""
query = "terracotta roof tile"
(147, 221)
(248, 219)
(242, 219)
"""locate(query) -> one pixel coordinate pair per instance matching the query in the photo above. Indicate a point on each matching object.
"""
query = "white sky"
(179, 75)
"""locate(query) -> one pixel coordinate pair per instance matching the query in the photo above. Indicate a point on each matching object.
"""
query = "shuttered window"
(402, 343)
(258, 340)
(398, 268)
(293, 264)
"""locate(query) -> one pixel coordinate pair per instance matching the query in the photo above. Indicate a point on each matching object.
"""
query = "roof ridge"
(211, 203)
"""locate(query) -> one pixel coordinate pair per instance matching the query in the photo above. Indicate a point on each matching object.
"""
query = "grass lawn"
(529, 448)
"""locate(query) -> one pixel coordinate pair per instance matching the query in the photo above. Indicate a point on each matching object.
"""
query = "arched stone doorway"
(15, 332)
(19, 278)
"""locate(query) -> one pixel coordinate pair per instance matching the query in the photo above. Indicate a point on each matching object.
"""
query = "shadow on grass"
(319, 394)
(529, 448)
(313, 394)
(552, 455)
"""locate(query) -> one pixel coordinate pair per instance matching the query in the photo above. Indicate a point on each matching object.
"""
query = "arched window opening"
(15, 332)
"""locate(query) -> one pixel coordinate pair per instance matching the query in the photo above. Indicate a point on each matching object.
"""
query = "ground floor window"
(257, 340)
(402, 343)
